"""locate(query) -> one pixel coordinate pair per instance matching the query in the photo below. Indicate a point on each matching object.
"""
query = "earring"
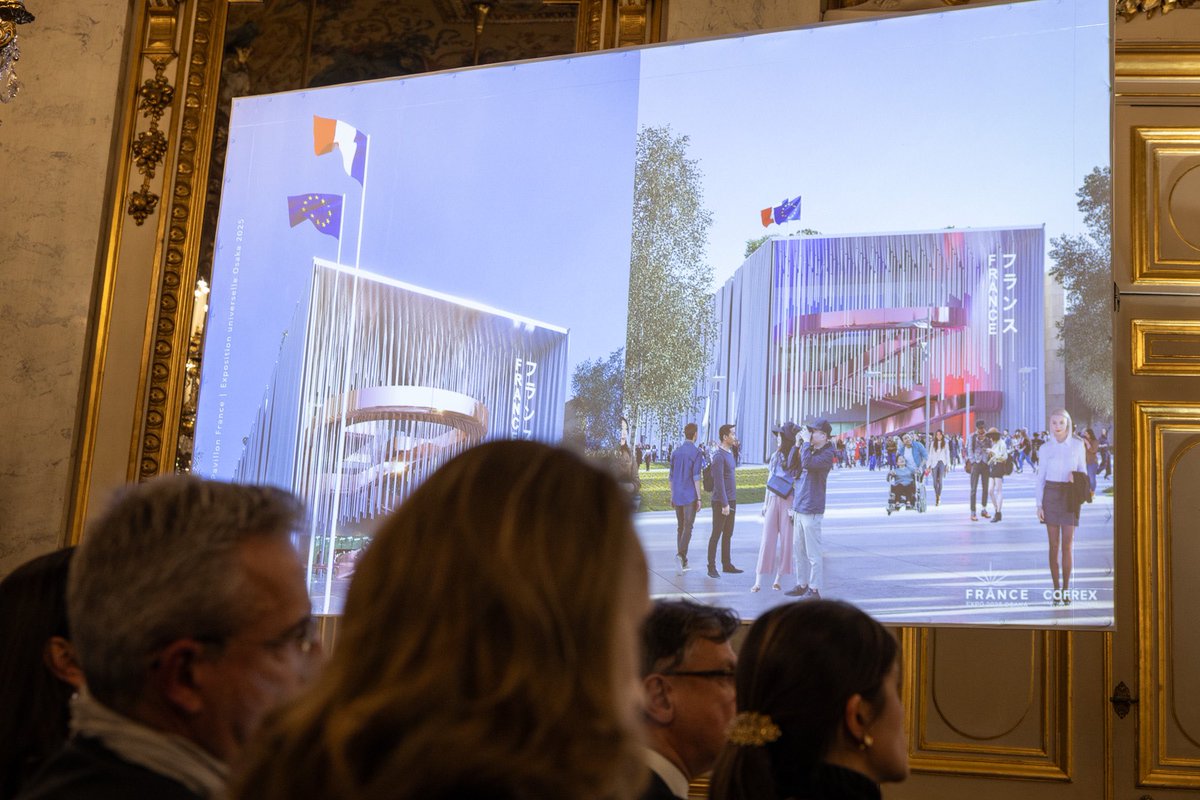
(866, 742)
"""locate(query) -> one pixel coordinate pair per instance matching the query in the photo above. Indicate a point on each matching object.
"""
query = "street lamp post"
(926, 327)
(928, 387)
(1024, 414)
(871, 374)
(712, 394)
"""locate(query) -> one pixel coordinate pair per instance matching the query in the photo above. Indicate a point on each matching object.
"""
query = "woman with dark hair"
(819, 712)
(38, 673)
(1092, 447)
(775, 549)
(998, 467)
(939, 463)
(489, 647)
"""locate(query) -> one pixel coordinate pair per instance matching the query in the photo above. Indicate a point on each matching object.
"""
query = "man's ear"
(59, 657)
(173, 676)
(659, 705)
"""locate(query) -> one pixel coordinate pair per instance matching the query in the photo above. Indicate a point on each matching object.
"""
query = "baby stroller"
(902, 496)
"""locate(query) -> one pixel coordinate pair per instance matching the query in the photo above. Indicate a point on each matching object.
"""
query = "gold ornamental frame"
(187, 37)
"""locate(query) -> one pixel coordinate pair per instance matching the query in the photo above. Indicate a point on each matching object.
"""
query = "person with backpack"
(724, 502)
(687, 466)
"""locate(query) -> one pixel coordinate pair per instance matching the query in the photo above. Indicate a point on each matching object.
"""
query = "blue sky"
(983, 117)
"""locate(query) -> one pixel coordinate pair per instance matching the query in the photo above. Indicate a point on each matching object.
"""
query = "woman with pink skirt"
(775, 551)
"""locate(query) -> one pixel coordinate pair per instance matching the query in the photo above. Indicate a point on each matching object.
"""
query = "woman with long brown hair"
(488, 647)
(998, 467)
(775, 548)
(939, 463)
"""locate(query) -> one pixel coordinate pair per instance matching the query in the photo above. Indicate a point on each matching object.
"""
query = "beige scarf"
(166, 754)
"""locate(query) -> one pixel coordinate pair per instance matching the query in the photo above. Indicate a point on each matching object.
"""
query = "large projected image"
(838, 224)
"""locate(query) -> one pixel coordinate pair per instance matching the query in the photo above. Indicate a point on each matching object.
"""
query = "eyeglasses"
(713, 674)
(302, 636)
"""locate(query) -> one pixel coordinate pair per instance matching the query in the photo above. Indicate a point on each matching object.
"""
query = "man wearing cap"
(686, 468)
(977, 457)
(811, 465)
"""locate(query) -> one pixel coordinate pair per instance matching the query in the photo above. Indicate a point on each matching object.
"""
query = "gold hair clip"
(751, 729)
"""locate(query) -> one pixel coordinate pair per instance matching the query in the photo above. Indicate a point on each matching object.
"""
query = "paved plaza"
(935, 568)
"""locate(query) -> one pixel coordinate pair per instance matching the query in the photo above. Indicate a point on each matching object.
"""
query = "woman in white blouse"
(1061, 455)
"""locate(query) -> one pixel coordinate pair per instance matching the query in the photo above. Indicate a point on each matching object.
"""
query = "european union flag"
(324, 211)
(787, 211)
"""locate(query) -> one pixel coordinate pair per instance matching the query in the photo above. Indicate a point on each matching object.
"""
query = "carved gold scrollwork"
(155, 97)
(150, 146)
(1128, 9)
(631, 23)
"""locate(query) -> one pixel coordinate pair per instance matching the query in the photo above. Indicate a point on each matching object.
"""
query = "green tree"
(670, 303)
(1083, 265)
(597, 387)
(754, 244)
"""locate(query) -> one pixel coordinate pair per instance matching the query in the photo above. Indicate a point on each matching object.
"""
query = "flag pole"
(344, 387)
(341, 228)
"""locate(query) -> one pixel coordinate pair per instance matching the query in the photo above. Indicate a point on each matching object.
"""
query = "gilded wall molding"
(1159, 62)
(1165, 188)
(1031, 740)
(590, 34)
(1165, 447)
(1165, 347)
(156, 449)
(619, 23)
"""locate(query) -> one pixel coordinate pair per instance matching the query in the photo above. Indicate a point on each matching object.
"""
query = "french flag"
(350, 142)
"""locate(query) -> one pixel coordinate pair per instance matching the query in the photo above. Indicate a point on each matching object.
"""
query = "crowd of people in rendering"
(1064, 462)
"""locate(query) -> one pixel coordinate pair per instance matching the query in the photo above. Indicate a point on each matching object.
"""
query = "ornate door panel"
(1154, 664)
(1156, 653)
(987, 706)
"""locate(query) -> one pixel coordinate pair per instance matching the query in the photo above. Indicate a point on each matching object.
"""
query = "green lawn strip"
(656, 490)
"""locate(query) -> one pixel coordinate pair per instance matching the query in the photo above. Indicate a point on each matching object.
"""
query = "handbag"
(780, 485)
(1081, 489)
(967, 466)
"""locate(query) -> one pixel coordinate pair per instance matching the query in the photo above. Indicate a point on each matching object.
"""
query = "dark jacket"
(84, 769)
(657, 790)
(724, 491)
(829, 782)
(812, 470)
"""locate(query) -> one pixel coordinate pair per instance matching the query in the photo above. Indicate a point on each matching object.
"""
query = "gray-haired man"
(688, 679)
(190, 619)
